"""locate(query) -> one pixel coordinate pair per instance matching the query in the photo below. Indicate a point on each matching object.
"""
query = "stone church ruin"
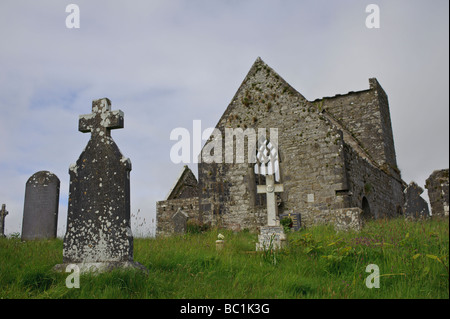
(335, 159)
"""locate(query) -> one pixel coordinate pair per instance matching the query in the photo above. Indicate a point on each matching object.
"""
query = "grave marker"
(98, 235)
(415, 206)
(3, 214)
(272, 235)
(296, 220)
(270, 189)
(40, 212)
(179, 220)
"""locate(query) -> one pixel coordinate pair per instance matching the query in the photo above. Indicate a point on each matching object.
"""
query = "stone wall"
(383, 193)
(319, 169)
(185, 186)
(438, 192)
(343, 219)
(166, 209)
(365, 114)
(336, 157)
(310, 152)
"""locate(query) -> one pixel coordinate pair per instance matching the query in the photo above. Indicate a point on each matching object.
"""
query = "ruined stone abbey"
(335, 158)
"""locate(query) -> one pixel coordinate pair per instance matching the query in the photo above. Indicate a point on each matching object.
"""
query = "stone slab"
(40, 213)
(271, 237)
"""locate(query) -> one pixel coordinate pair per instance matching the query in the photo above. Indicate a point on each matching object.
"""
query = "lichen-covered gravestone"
(40, 212)
(98, 235)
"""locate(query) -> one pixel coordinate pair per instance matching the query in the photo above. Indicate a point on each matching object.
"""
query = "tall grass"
(317, 263)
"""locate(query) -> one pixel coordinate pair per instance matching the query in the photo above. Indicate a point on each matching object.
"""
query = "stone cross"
(102, 120)
(98, 235)
(270, 189)
(3, 214)
(272, 235)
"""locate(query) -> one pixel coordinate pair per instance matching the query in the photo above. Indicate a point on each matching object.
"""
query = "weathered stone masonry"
(184, 196)
(335, 153)
(438, 185)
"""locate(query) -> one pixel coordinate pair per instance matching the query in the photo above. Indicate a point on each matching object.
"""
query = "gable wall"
(311, 153)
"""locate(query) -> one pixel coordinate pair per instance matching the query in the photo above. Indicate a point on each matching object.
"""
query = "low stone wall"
(165, 210)
(343, 219)
(271, 237)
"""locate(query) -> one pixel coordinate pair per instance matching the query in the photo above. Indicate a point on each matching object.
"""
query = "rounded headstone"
(40, 213)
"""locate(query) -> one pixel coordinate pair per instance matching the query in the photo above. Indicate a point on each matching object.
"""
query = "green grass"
(318, 263)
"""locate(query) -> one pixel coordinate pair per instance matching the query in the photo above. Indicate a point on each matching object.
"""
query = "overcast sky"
(167, 63)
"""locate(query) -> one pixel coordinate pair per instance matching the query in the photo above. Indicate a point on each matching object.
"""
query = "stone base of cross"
(271, 238)
(272, 235)
(272, 208)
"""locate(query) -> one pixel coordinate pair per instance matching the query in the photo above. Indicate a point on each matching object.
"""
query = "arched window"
(366, 209)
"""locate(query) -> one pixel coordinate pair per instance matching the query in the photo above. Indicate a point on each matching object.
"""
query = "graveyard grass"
(413, 258)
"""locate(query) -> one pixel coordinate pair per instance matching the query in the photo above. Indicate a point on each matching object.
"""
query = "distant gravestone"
(179, 220)
(3, 214)
(296, 220)
(98, 235)
(415, 206)
(40, 212)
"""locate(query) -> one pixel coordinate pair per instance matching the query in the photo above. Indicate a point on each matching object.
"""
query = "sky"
(167, 63)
